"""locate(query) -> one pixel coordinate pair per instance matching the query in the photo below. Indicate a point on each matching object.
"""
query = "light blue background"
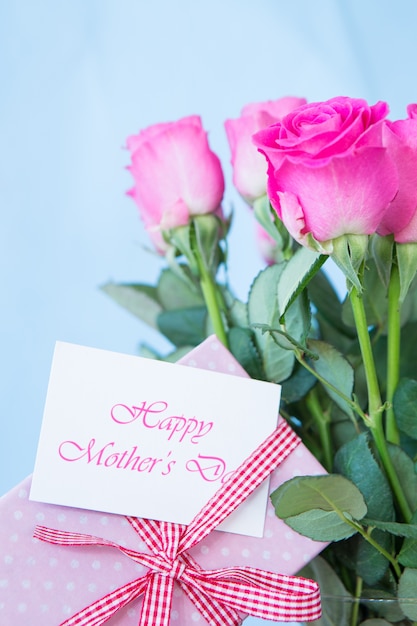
(77, 77)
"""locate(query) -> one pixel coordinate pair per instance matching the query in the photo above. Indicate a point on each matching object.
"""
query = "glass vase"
(381, 611)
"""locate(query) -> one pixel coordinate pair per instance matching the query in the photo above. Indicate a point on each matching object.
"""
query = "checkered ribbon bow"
(221, 595)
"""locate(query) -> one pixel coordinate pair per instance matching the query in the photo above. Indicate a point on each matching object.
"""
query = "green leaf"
(342, 427)
(336, 370)
(148, 352)
(409, 306)
(376, 621)
(408, 353)
(293, 334)
(296, 275)
(319, 570)
(405, 406)
(395, 528)
(298, 319)
(242, 346)
(179, 353)
(298, 385)
(184, 327)
(407, 592)
(335, 600)
(236, 309)
(357, 555)
(407, 476)
(356, 461)
(140, 300)
(407, 266)
(370, 564)
(320, 507)
(327, 303)
(408, 552)
(177, 292)
(263, 309)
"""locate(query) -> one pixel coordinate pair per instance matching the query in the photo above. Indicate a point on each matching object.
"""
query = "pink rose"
(176, 175)
(328, 171)
(249, 168)
(400, 138)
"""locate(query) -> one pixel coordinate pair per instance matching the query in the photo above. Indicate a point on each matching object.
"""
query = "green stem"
(209, 289)
(393, 352)
(355, 608)
(380, 549)
(322, 422)
(374, 402)
(366, 534)
(368, 537)
(374, 396)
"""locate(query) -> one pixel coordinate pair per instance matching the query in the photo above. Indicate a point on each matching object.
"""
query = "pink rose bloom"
(400, 138)
(249, 167)
(328, 171)
(176, 175)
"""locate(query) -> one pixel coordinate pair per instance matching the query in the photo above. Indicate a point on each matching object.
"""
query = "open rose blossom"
(176, 175)
(249, 167)
(328, 172)
(400, 138)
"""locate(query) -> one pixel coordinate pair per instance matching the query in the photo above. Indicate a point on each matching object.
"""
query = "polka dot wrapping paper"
(46, 584)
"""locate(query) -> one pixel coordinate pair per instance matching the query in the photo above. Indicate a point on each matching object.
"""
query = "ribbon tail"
(262, 594)
(103, 609)
(156, 607)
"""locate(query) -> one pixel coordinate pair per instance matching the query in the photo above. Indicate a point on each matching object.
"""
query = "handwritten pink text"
(210, 468)
(106, 456)
(154, 415)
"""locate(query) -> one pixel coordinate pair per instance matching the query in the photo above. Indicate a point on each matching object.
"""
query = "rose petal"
(343, 197)
(400, 138)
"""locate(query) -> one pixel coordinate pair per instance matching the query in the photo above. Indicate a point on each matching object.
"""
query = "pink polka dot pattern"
(46, 584)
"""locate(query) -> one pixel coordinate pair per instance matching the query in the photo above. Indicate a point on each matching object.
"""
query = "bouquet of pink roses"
(337, 180)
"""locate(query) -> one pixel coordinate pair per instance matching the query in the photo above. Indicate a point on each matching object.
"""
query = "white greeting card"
(134, 436)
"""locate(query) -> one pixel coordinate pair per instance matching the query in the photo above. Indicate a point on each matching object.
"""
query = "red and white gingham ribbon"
(219, 594)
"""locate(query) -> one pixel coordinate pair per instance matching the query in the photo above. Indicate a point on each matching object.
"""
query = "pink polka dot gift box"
(74, 567)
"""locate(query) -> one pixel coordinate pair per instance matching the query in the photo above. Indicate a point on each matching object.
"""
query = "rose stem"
(209, 289)
(374, 420)
(393, 351)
